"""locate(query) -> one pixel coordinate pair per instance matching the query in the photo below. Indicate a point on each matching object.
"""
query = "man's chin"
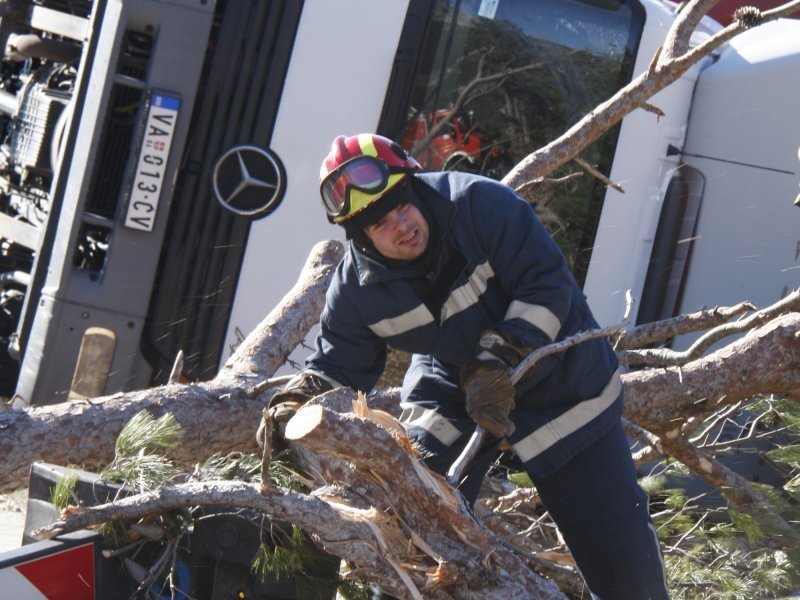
(411, 252)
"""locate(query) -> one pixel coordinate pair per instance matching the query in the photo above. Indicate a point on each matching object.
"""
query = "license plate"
(149, 175)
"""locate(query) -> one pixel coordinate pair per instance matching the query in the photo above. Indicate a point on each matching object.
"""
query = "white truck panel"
(339, 71)
(744, 137)
(642, 167)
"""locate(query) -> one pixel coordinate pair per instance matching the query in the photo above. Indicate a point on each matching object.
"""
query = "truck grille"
(120, 124)
(237, 101)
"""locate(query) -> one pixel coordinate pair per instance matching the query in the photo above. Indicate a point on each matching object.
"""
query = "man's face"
(402, 234)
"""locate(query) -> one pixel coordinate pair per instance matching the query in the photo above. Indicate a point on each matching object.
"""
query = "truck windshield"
(498, 79)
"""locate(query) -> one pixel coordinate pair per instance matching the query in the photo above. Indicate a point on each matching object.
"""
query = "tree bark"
(765, 361)
(375, 505)
(216, 416)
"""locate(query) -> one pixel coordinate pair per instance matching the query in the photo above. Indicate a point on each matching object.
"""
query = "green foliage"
(247, 467)
(720, 570)
(676, 518)
(286, 554)
(139, 464)
(145, 433)
(725, 554)
(114, 534)
(276, 560)
(520, 479)
(747, 524)
(788, 455)
(712, 552)
(235, 465)
(353, 590)
(138, 459)
(786, 411)
(716, 553)
(63, 493)
(284, 474)
(294, 556)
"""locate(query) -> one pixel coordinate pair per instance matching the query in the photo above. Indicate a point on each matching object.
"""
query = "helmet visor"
(364, 173)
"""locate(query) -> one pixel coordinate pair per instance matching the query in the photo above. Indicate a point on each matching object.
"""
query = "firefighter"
(459, 271)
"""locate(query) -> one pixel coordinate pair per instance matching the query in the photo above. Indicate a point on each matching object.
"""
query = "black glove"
(485, 380)
(285, 403)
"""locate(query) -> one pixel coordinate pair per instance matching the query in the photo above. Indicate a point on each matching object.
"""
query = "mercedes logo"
(249, 181)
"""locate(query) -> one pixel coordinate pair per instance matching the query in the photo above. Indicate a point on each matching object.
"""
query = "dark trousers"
(601, 511)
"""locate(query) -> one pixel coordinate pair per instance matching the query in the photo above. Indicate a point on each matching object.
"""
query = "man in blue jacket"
(459, 271)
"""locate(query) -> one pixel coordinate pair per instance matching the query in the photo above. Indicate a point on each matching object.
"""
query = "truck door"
(743, 139)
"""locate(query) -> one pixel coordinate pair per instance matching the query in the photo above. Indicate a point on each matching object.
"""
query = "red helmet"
(358, 171)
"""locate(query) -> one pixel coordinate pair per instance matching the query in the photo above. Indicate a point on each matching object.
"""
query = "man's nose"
(397, 220)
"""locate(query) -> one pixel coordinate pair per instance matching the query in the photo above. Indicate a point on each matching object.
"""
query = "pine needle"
(138, 460)
(143, 432)
(296, 558)
(63, 493)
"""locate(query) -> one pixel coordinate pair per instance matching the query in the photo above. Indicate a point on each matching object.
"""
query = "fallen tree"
(83, 431)
(766, 361)
(374, 503)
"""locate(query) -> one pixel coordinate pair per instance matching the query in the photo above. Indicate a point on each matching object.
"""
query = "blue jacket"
(492, 265)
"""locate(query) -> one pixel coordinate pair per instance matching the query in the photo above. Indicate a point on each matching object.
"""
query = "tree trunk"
(83, 432)
(378, 507)
(216, 416)
(375, 505)
(765, 361)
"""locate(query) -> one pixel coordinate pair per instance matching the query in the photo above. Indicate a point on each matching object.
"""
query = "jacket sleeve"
(528, 265)
(346, 350)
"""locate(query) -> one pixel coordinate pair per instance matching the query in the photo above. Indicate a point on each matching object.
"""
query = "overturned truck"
(158, 165)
